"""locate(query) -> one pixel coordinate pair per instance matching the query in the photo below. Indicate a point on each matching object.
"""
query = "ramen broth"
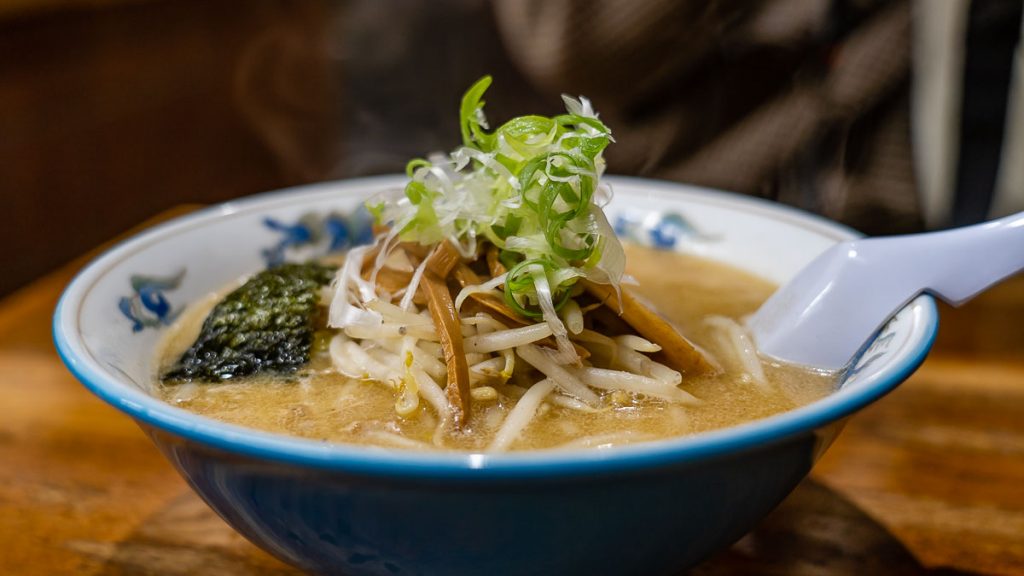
(320, 404)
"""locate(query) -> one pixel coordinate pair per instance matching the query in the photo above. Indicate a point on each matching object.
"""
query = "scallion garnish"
(530, 187)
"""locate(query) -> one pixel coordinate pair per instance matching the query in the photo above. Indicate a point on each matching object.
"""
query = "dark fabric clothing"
(802, 101)
(993, 32)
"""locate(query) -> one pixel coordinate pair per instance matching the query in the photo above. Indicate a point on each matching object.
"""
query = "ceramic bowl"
(653, 508)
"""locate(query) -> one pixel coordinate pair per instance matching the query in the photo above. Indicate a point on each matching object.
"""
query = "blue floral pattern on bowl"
(313, 235)
(148, 306)
(875, 351)
(316, 234)
(664, 231)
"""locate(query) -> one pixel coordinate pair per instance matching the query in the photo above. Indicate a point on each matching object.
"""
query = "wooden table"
(930, 480)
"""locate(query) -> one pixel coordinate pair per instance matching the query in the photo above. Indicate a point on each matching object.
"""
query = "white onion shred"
(566, 381)
(488, 286)
(502, 339)
(618, 380)
(573, 317)
(342, 312)
(608, 440)
(743, 348)
(634, 342)
(521, 415)
(566, 352)
(410, 291)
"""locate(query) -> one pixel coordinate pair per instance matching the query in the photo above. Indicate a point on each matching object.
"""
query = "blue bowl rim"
(148, 410)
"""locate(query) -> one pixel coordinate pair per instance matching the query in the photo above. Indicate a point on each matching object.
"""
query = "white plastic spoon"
(826, 313)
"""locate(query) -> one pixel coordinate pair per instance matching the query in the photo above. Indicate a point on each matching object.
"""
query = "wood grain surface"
(929, 480)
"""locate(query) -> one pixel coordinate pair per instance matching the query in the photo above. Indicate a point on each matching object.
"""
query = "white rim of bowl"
(397, 463)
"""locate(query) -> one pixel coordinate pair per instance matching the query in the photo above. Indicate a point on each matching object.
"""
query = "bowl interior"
(113, 315)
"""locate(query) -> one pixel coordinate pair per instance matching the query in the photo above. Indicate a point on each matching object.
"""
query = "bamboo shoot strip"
(443, 259)
(679, 352)
(446, 319)
(392, 281)
(494, 263)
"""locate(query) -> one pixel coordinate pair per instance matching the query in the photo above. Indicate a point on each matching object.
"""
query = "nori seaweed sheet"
(266, 325)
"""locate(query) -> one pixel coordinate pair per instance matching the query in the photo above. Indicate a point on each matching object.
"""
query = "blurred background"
(891, 116)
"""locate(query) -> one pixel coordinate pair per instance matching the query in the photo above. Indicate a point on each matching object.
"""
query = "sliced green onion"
(527, 186)
(520, 285)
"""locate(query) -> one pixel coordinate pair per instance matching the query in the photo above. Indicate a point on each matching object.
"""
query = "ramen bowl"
(648, 508)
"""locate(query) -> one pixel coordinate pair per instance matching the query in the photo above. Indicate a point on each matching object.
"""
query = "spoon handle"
(955, 265)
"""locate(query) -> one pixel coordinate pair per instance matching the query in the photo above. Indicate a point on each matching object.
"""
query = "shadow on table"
(814, 532)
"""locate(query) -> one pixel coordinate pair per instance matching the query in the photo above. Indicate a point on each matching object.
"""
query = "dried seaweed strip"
(265, 325)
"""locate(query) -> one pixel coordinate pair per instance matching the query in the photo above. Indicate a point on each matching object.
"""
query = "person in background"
(891, 116)
(888, 116)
